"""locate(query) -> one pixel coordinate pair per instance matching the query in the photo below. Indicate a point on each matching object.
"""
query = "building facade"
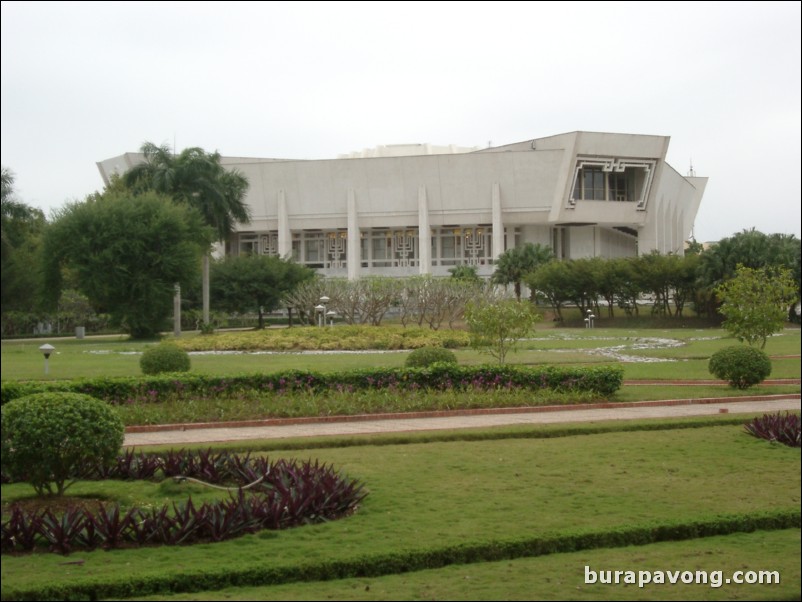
(583, 194)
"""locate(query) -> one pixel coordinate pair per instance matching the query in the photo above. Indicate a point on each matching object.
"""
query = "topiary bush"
(165, 357)
(426, 356)
(741, 366)
(46, 436)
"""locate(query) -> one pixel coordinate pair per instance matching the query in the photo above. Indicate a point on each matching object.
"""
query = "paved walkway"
(357, 425)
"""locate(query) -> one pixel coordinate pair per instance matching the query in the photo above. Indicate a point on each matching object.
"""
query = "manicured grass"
(562, 576)
(116, 356)
(128, 493)
(428, 496)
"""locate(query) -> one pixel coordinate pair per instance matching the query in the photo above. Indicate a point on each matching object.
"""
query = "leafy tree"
(751, 249)
(694, 247)
(126, 253)
(654, 273)
(754, 302)
(20, 241)
(198, 179)
(495, 328)
(514, 264)
(255, 282)
(554, 281)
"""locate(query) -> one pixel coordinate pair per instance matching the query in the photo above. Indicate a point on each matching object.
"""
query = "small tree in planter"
(47, 436)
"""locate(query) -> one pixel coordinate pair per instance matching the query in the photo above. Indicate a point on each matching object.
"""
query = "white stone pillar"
(354, 247)
(205, 288)
(424, 233)
(498, 224)
(177, 311)
(284, 235)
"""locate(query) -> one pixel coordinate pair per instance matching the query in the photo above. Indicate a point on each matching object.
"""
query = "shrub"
(47, 435)
(741, 366)
(165, 357)
(426, 356)
(782, 428)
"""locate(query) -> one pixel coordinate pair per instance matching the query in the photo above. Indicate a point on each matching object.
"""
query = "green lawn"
(427, 497)
(480, 490)
(562, 576)
(117, 356)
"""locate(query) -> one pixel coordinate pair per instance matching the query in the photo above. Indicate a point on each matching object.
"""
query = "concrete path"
(343, 425)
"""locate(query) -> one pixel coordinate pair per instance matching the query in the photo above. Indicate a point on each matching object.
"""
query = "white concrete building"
(584, 194)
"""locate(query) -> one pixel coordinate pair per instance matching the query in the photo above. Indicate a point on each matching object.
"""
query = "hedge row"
(600, 380)
(260, 573)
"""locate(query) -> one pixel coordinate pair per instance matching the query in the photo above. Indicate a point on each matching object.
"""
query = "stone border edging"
(154, 428)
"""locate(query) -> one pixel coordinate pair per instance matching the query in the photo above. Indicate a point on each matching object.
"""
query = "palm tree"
(198, 179)
(515, 263)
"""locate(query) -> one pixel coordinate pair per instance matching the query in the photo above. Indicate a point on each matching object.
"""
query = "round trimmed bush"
(165, 357)
(48, 437)
(740, 365)
(426, 356)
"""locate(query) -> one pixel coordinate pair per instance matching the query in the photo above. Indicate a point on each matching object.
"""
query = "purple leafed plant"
(779, 427)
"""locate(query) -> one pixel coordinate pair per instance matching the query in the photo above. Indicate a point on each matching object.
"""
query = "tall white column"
(498, 225)
(284, 235)
(205, 288)
(177, 311)
(354, 246)
(424, 233)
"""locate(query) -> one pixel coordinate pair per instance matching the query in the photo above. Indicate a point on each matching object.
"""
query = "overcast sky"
(83, 82)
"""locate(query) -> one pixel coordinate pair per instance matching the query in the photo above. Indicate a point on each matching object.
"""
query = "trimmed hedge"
(426, 356)
(165, 357)
(599, 380)
(46, 436)
(741, 366)
(259, 573)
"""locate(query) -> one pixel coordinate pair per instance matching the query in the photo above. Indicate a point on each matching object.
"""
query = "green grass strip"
(562, 576)
(261, 573)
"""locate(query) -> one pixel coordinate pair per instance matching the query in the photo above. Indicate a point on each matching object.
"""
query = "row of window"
(383, 248)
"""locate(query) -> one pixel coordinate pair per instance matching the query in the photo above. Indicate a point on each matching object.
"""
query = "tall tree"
(126, 254)
(198, 179)
(20, 236)
(751, 249)
(515, 263)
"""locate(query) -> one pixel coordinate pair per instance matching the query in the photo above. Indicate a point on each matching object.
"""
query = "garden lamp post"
(331, 313)
(319, 309)
(46, 350)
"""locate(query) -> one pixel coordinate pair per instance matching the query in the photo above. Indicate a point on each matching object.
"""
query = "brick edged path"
(423, 421)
